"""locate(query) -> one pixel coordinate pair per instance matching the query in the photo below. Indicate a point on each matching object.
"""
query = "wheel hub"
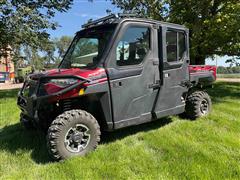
(204, 107)
(77, 138)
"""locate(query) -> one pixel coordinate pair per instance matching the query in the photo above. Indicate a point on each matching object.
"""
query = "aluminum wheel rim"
(204, 107)
(77, 138)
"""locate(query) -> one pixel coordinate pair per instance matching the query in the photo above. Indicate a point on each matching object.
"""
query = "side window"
(181, 45)
(133, 46)
(175, 46)
(171, 44)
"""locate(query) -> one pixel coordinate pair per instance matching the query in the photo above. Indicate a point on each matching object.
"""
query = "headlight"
(64, 82)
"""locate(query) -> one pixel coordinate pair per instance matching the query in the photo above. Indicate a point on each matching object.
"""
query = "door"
(174, 55)
(133, 73)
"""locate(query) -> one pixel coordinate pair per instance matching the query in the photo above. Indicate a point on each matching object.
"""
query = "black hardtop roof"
(116, 19)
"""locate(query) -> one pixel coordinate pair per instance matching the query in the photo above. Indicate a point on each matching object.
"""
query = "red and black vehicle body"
(41, 100)
(52, 99)
(123, 71)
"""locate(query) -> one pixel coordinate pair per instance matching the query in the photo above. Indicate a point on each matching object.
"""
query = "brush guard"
(30, 97)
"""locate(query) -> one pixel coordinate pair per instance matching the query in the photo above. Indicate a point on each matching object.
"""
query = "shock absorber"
(67, 105)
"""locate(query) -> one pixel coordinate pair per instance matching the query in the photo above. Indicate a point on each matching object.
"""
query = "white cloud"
(85, 15)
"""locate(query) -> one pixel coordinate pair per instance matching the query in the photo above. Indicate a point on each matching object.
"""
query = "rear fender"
(202, 75)
(202, 79)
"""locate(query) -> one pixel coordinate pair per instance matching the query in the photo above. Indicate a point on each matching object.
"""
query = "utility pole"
(216, 61)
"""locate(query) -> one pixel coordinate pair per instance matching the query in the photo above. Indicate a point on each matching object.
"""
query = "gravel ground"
(4, 86)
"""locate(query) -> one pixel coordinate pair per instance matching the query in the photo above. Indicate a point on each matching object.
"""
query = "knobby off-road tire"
(198, 104)
(73, 133)
(26, 123)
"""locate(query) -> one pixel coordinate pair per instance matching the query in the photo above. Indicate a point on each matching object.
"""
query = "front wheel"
(73, 133)
(198, 104)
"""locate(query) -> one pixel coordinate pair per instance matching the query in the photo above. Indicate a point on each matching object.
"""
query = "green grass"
(228, 75)
(170, 148)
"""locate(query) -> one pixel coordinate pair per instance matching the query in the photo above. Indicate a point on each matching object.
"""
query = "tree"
(24, 22)
(233, 61)
(214, 24)
(32, 57)
(62, 44)
(49, 56)
(221, 70)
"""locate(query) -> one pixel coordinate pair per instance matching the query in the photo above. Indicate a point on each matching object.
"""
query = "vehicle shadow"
(221, 90)
(108, 137)
(15, 139)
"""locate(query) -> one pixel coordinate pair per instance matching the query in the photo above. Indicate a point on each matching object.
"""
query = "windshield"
(87, 47)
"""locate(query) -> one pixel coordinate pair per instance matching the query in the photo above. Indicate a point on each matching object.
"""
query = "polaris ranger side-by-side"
(118, 71)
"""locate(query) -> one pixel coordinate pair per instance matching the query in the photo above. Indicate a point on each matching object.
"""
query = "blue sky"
(82, 10)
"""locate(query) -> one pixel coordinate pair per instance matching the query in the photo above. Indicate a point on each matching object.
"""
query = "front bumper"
(27, 99)
(30, 99)
(27, 105)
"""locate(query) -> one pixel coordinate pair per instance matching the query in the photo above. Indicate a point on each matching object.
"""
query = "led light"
(81, 92)
(64, 82)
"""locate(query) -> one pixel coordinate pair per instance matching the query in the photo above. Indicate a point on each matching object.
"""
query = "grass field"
(170, 148)
(228, 75)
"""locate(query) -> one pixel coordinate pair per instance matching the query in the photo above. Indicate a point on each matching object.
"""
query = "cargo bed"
(202, 75)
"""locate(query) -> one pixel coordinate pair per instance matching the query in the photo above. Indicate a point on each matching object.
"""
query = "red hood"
(97, 75)
(86, 73)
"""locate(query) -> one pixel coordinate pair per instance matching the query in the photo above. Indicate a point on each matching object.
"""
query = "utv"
(119, 71)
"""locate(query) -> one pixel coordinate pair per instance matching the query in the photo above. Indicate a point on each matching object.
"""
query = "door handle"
(116, 84)
(154, 86)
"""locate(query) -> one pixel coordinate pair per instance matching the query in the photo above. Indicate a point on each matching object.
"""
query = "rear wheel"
(198, 104)
(73, 133)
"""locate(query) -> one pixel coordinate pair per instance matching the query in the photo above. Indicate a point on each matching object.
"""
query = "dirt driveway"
(4, 86)
(229, 79)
